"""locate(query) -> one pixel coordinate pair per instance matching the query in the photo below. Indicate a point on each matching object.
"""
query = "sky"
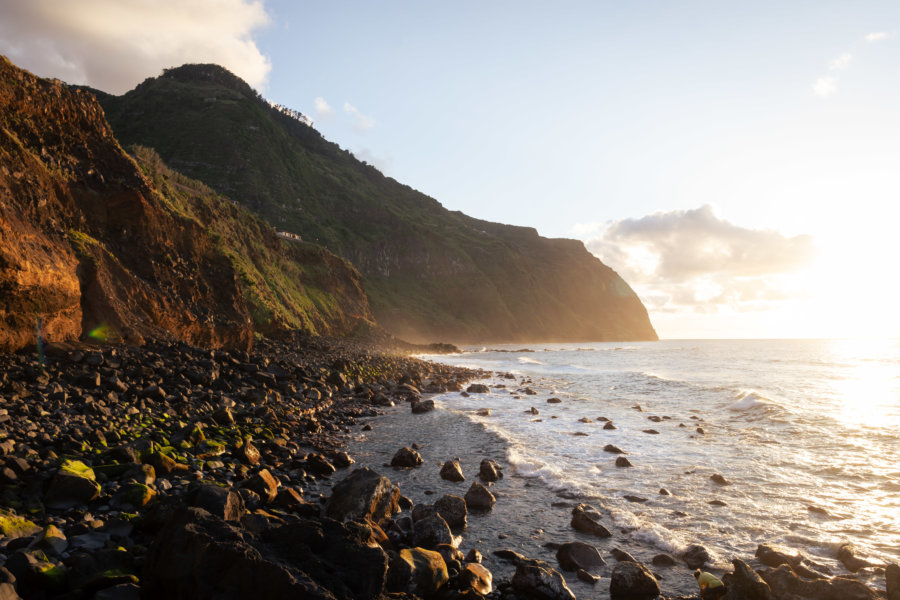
(737, 163)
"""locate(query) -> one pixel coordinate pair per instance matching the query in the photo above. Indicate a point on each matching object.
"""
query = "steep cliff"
(430, 273)
(89, 247)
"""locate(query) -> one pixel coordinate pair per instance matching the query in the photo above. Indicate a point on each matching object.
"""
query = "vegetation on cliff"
(429, 273)
(90, 244)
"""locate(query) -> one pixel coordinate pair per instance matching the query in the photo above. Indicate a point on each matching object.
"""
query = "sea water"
(806, 433)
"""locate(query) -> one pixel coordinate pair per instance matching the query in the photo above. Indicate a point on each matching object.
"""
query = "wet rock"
(892, 581)
(635, 499)
(122, 591)
(578, 555)
(483, 412)
(745, 584)
(609, 425)
(663, 560)
(784, 583)
(474, 556)
(586, 577)
(695, 556)
(717, 503)
(847, 555)
(476, 577)
(489, 470)
(533, 411)
(318, 464)
(538, 579)
(452, 509)
(510, 555)
(478, 388)
(422, 406)
(553, 401)
(222, 502)
(342, 460)
(452, 471)
(585, 420)
(74, 484)
(364, 494)
(422, 511)
(632, 580)
(613, 449)
(771, 557)
(406, 458)
(650, 431)
(479, 497)
(417, 571)
(35, 575)
(664, 492)
(431, 531)
(587, 520)
(719, 479)
(622, 556)
(51, 540)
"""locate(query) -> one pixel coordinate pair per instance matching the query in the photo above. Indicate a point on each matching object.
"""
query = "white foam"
(748, 400)
(529, 361)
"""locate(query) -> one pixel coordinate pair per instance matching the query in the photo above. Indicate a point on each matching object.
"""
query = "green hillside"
(429, 273)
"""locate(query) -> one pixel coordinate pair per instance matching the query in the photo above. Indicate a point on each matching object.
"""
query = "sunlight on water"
(869, 392)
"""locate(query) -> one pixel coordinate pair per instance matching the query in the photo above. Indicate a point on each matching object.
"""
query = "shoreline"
(120, 465)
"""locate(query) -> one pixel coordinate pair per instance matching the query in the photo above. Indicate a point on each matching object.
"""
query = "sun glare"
(869, 395)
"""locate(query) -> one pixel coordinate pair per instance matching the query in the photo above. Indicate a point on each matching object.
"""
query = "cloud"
(115, 44)
(323, 109)
(361, 122)
(841, 62)
(877, 36)
(825, 86)
(693, 259)
(382, 163)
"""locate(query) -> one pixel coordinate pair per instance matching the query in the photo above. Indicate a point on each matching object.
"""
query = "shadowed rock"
(479, 497)
(633, 580)
(587, 520)
(452, 471)
(538, 579)
(578, 555)
(417, 571)
(362, 495)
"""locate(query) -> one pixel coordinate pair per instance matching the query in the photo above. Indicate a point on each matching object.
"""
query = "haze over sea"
(807, 433)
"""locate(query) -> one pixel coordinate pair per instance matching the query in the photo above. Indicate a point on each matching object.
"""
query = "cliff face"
(430, 273)
(88, 246)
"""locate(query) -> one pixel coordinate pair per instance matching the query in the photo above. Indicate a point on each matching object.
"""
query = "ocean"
(806, 433)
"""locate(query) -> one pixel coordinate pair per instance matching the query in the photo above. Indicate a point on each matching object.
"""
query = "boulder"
(406, 457)
(474, 556)
(784, 583)
(553, 401)
(623, 462)
(609, 425)
(578, 555)
(342, 460)
(771, 557)
(847, 555)
(587, 520)
(538, 579)
(431, 531)
(263, 483)
(13, 526)
(198, 556)
(695, 556)
(222, 502)
(586, 577)
(892, 581)
(476, 577)
(613, 449)
(719, 479)
(319, 465)
(745, 584)
(622, 556)
(74, 484)
(633, 580)
(417, 571)
(483, 412)
(489, 470)
(479, 497)
(422, 406)
(452, 509)
(478, 388)
(364, 495)
(452, 471)
(663, 560)
(249, 453)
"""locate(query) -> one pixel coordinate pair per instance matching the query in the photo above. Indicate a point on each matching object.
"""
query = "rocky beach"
(315, 468)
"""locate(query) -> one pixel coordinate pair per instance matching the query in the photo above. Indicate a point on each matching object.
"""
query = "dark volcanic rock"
(417, 571)
(364, 494)
(719, 479)
(452, 509)
(318, 464)
(199, 556)
(695, 556)
(784, 583)
(587, 520)
(621, 555)
(476, 577)
(538, 579)
(218, 501)
(623, 462)
(663, 560)
(771, 557)
(422, 406)
(847, 555)
(632, 580)
(478, 388)
(479, 497)
(613, 449)
(892, 581)
(489, 470)
(452, 471)
(73, 484)
(578, 555)
(431, 532)
(406, 457)
(745, 584)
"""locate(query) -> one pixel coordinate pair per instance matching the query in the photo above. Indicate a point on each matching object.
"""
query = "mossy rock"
(74, 484)
(14, 526)
(136, 495)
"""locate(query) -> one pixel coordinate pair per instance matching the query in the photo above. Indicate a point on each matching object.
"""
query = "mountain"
(429, 273)
(93, 243)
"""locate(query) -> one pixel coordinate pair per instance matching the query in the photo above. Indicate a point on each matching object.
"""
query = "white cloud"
(877, 36)
(841, 62)
(825, 86)
(692, 260)
(323, 109)
(361, 122)
(115, 44)
(382, 163)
